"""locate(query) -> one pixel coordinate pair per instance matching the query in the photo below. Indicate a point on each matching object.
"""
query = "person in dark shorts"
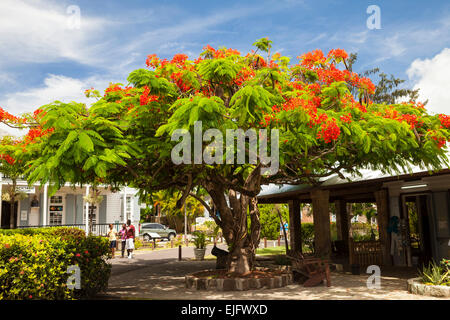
(112, 236)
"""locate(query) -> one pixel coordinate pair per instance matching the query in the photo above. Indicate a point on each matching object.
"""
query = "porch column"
(1, 201)
(295, 226)
(45, 206)
(125, 205)
(321, 213)
(381, 197)
(342, 222)
(86, 222)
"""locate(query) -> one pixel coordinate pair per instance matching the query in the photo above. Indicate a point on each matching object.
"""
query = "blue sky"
(42, 59)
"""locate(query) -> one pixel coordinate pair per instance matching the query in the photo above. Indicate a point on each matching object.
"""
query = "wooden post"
(342, 222)
(351, 252)
(382, 200)
(321, 214)
(154, 244)
(179, 252)
(265, 242)
(295, 226)
(279, 241)
(171, 243)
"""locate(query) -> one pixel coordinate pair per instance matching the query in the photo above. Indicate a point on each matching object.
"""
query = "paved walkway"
(159, 275)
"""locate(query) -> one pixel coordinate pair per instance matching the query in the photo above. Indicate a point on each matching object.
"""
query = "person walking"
(131, 234)
(123, 238)
(112, 235)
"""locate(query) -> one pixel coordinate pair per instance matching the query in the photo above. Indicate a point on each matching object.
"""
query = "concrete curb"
(415, 286)
(237, 284)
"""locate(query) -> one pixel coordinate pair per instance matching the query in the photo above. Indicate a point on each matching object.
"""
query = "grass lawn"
(260, 252)
(271, 251)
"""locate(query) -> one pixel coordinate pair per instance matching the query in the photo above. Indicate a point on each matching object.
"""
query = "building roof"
(274, 190)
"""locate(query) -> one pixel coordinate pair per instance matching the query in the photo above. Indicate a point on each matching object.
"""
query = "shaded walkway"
(158, 275)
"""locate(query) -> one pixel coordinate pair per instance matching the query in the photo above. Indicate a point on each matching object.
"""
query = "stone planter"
(199, 253)
(237, 284)
(415, 286)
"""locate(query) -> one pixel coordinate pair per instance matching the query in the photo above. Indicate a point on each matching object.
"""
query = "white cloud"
(56, 87)
(7, 78)
(431, 77)
(43, 31)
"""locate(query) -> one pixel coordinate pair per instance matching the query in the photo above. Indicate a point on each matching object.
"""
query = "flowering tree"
(125, 137)
(15, 152)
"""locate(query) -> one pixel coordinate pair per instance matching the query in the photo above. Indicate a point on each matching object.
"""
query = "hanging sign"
(25, 189)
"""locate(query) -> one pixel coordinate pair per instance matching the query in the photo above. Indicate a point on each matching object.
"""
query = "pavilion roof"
(335, 180)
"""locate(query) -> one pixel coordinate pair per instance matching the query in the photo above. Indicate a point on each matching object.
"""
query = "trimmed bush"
(307, 235)
(34, 263)
(137, 244)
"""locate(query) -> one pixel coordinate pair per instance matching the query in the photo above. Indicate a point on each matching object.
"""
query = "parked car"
(162, 230)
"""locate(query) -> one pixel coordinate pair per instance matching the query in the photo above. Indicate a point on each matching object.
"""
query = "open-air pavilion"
(394, 195)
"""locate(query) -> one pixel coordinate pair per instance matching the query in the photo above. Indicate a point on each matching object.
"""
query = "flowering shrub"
(34, 263)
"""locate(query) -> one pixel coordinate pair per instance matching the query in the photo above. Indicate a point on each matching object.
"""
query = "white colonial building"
(67, 207)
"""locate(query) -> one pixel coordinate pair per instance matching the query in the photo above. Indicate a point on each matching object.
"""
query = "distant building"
(67, 207)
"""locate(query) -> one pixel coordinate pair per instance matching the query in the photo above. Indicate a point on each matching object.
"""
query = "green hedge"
(34, 263)
(307, 235)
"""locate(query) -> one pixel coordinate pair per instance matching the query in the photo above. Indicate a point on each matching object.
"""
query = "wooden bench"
(314, 269)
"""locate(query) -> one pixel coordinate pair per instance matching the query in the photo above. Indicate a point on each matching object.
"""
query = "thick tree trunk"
(242, 239)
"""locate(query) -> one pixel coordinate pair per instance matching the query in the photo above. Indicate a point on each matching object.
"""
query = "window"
(56, 199)
(56, 210)
(94, 213)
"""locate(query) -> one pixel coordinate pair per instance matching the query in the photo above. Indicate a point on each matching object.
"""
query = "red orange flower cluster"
(7, 117)
(311, 59)
(177, 77)
(346, 118)
(116, 88)
(243, 76)
(152, 61)
(445, 120)
(440, 141)
(179, 60)
(146, 97)
(337, 54)
(219, 53)
(329, 131)
(328, 73)
(411, 119)
(7, 158)
(366, 83)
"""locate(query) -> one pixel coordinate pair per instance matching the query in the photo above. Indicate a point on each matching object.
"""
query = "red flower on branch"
(329, 131)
